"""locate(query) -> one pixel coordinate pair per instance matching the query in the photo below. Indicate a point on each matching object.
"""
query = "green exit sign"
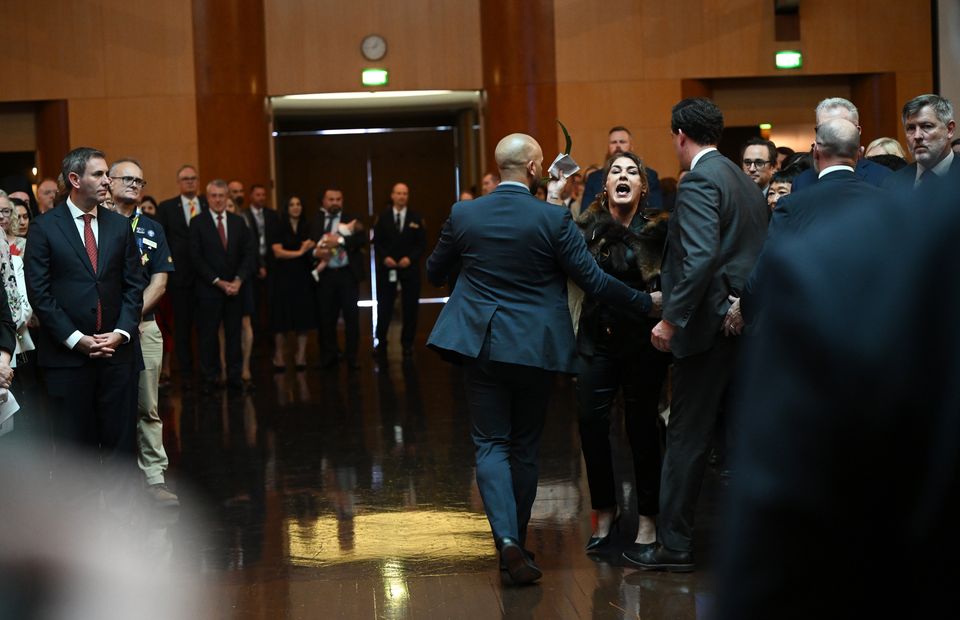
(375, 77)
(789, 59)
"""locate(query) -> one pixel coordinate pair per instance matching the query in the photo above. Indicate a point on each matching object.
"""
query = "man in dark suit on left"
(224, 255)
(85, 284)
(399, 241)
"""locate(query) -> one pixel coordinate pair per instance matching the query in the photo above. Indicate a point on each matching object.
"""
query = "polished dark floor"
(352, 495)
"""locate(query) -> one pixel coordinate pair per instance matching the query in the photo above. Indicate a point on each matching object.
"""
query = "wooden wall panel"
(315, 46)
(160, 132)
(53, 137)
(230, 69)
(612, 59)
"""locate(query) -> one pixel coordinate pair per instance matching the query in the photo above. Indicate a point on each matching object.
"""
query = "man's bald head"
(838, 143)
(839, 137)
(520, 159)
(516, 151)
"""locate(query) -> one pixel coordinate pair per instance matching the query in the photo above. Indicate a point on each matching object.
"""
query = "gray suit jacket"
(713, 240)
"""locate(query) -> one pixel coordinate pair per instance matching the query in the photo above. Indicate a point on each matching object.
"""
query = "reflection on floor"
(352, 495)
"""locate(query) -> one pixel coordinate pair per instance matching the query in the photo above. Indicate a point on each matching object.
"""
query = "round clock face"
(374, 47)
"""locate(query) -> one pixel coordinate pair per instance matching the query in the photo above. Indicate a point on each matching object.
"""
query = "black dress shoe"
(658, 557)
(519, 565)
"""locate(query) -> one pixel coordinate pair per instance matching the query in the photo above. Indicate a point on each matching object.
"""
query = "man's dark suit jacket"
(594, 185)
(826, 198)
(353, 244)
(517, 252)
(271, 219)
(903, 180)
(871, 172)
(175, 227)
(388, 241)
(848, 466)
(713, 240)
(63, 288)
(211, 260)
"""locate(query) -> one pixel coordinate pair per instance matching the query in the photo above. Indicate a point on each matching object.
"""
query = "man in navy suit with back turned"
(507, 322)
(838, 107)
(224, 254)
(85, 284)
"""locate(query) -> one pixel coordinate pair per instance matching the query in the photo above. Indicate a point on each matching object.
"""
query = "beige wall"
(623, 65)
(315, 46)
(125, 68)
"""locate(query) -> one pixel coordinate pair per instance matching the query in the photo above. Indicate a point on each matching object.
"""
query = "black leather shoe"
(519, 565)
(658, 557)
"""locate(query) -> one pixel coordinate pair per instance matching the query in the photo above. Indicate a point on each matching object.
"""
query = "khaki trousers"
(151, 456)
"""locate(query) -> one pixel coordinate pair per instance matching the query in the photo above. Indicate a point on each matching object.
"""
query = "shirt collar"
(214, 214)
(698, 156)
(395, 210)
(186, 201)
(75, 211)
(940, 169)
(517, 183)
(836, 168)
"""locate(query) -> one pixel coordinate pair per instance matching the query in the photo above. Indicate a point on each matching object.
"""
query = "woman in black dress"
(291, 302)
(617, 353)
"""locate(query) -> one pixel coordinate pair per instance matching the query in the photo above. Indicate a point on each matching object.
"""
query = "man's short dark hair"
(786, 151)
(257, 186)
(757, 141)
(699, 119)
(76, 161)
(620, 128)
(329, 188)
(797, 162)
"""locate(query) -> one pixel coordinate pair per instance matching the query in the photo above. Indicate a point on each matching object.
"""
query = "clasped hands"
(99, 346)
(230, 288)
(390, 263)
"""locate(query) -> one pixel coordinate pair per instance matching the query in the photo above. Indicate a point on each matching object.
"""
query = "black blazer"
(388, 241)
(353, 244)
(211, 260)
(797, 212)
(63, 289)
(869, 171)
(8, 329)
(175, 227)
(713, 239)
(903, 180)
(848, 428)
(271, 219)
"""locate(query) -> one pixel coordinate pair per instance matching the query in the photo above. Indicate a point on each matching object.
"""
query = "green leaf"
(566, 135)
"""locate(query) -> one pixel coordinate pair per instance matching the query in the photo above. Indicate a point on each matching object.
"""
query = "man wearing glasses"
(175, 215)
(127, 189)
(759, 160)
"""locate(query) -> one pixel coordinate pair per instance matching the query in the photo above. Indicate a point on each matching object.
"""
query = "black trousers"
(640, 374)
(338, 293)
(211, 313)
(183, 301)
(91, 409)
(699, 384)
(409, 280)
(507, 405)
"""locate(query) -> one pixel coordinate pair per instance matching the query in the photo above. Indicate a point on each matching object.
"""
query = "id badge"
(392, 275)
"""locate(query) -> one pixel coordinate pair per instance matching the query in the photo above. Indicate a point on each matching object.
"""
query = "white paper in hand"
(7, 409)
(563, 165)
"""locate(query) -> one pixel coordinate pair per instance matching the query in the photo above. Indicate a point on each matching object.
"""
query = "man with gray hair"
(224, 254)
(929, 124)
(837, 189)
(838, 107)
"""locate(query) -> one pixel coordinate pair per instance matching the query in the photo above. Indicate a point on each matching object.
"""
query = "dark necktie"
(927, 176)
(329, 226)
(397, 215)
(90, 242)
(221, 230)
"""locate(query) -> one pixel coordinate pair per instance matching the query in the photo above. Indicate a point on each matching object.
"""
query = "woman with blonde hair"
(884, 146)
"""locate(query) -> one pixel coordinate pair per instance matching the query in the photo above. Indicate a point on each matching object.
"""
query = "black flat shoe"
(598, 542)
